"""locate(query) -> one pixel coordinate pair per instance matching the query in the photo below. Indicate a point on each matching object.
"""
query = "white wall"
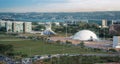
(116, 41)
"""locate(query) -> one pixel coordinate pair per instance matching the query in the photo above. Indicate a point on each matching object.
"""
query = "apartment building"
(9, 27)
(16, 26)
(27, 27)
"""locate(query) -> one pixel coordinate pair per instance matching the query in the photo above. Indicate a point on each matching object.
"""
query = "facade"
(9, 26)
(27, 27)
(116, 42)
(16, 27)
(104, 23)
(2, 23)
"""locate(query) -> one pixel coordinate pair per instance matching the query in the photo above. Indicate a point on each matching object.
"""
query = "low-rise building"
(116, 42)
(75, 22)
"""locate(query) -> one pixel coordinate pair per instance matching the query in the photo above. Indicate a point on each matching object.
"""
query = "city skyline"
(58, 5)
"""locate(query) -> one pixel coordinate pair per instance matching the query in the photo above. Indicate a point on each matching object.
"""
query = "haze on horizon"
(58, 5)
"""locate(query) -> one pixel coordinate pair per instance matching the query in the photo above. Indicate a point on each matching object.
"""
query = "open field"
(37, 47)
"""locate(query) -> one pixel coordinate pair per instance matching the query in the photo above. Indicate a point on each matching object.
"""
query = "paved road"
(100, 54)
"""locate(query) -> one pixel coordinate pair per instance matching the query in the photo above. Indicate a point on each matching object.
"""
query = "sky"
(59, 5)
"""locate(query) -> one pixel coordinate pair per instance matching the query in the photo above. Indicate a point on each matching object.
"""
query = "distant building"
(9, 27)
(71, 22)
(116, 42)
(104, 23)
(2, 23)
(16, 26)
(57, 23)
(75, 22)
(41, 23)
(116, 21)
(27, 27)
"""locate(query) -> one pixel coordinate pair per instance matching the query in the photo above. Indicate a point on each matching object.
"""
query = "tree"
(39, 27)
(58, 41)
(68, 42)
(81, 44)
(4, 49)
(112, 50)
(3, 29)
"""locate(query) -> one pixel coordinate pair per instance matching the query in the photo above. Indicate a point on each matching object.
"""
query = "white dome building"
(85, 35)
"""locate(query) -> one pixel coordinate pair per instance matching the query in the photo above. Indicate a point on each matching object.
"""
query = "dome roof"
(85, 35)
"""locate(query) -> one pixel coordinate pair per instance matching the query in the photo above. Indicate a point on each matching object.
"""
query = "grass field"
(38, 47)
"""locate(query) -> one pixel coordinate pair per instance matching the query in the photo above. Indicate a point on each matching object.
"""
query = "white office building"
(116, 42)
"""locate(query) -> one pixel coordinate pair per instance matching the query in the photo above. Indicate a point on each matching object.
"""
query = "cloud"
(71, 6)
(86, 5)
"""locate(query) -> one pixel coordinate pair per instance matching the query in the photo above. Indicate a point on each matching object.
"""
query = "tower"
(104, 23)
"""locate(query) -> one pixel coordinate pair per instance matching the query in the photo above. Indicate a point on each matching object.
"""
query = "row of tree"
(82, 60)
(72, 29)
(8, 50)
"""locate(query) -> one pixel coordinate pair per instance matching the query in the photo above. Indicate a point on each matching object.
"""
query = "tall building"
(104, 23)
(27, 27)
(9, 27)
(18, 27)
(116, 42)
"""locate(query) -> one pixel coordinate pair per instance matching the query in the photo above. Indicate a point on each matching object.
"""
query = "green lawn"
(37, 47)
